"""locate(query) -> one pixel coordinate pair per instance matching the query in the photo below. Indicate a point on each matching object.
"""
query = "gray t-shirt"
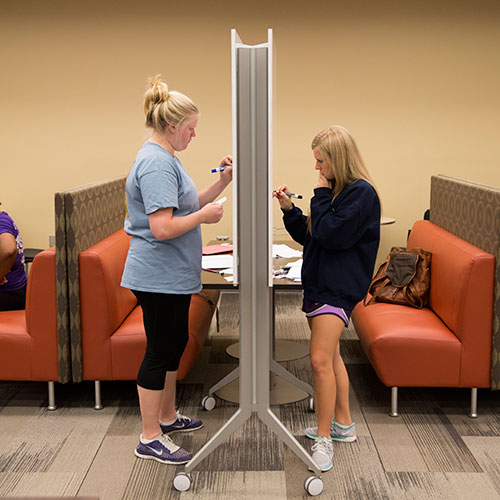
(158, 180)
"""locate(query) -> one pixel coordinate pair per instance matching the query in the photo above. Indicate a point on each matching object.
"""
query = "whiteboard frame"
(236, 43)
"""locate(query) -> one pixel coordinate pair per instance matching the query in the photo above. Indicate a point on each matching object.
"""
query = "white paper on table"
(294, 271)
(285, 251)
(222, 261)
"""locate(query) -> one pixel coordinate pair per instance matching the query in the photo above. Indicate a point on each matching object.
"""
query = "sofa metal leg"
(394, 402)
(98, 404)
(473, 403)
(52, 398)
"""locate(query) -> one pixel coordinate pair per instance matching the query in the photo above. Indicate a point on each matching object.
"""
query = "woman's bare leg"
(342, 410)
(167, 408)
(325, 334)
(156, 406)
(150, 402)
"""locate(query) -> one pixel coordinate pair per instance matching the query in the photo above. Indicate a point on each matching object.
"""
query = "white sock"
(170, 422)
(147, 441)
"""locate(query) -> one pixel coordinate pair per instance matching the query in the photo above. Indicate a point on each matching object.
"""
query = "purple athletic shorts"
(316, 308)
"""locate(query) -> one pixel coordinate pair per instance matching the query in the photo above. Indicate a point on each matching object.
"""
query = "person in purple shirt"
(12, 273)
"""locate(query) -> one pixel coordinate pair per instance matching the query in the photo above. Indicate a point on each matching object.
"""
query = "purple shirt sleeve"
(16, 278)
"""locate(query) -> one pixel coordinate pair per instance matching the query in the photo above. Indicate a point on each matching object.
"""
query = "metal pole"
(473, 403)
(394, 402)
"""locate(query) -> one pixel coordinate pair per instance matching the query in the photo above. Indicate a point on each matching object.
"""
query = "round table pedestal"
(282, 391)
(284, 350)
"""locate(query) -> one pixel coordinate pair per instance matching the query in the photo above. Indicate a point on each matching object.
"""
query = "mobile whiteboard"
(252, 106)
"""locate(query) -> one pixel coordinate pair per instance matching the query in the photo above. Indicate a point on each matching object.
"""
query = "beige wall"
(417, 84)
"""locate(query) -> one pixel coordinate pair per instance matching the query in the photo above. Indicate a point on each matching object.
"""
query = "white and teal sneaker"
(338, 432)
(346, 433)
(323, 453)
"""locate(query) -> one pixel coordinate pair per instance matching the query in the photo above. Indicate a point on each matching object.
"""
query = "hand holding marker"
(218, 169)
(291, 195)
(227, 161)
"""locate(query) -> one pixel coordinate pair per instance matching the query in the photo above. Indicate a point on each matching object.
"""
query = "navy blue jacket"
(339, 256)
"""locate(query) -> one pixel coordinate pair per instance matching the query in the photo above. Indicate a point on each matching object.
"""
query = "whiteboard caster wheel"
(311, 404)
(208, 402)
(182, 481)
(313, 485)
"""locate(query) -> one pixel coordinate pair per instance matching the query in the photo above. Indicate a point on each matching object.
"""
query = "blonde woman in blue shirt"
(163, 266)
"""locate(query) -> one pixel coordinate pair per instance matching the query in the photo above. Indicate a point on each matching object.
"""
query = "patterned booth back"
(84, 216)
(472, 212)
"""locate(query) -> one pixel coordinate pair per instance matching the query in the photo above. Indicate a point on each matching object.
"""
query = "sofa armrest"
(201, 311)
(41, 315)
(461, 294)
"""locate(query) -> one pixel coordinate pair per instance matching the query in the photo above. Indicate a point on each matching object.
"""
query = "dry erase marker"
(222, 200)
(218, 169)
(291, 195)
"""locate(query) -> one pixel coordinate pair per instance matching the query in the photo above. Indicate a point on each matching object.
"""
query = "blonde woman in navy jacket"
(340, 237)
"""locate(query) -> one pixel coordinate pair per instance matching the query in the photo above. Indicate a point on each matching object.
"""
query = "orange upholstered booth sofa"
(447, 343)
(113, 337)
(28, 338)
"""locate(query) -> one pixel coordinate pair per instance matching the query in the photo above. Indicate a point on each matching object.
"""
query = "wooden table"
(285, 388)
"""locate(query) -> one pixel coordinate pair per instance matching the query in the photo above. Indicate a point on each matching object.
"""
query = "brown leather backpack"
(403, 278)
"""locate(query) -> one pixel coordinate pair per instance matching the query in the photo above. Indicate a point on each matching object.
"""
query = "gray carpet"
(434, 450)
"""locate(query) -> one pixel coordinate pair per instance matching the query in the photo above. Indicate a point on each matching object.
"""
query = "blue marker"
(218, 169)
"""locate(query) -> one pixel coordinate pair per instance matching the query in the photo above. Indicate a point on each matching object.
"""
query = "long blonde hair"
(166, 107)
(337, 147)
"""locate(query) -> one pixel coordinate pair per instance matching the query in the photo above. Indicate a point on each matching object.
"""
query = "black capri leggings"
(14, 300)
(166, 323)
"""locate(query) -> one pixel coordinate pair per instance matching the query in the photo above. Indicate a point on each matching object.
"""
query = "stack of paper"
(214, 262)
(294, 271)
(285, 251)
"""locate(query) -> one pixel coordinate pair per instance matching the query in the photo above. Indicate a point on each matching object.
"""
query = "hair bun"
(157, 90)
(163, 107)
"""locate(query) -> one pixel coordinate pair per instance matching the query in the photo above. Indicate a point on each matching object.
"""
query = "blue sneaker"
(182, 424)
(164, 450)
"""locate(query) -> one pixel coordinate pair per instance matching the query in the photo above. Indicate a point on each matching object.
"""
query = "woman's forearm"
(164, 226)
(209, 194)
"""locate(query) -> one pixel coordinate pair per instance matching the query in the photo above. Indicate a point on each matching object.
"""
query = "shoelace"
(183, 417)
(168, 443)
(322, 444)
